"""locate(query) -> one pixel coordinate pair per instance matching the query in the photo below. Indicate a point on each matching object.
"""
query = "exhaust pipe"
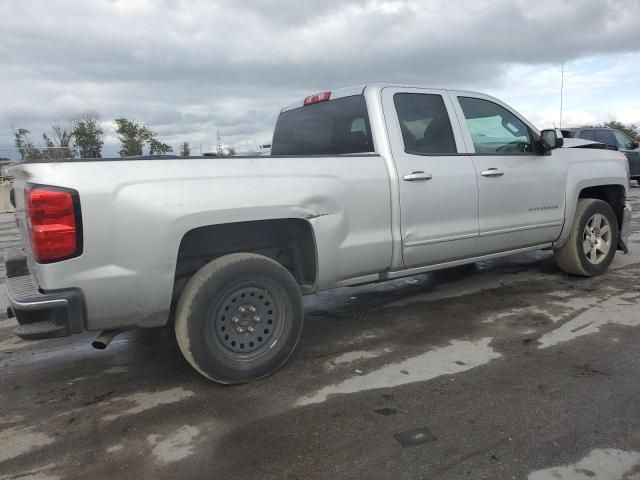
(104, 339)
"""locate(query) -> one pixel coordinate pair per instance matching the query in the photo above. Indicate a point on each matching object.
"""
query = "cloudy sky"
(187, 68)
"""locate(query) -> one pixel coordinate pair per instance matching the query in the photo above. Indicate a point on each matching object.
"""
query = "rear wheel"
(239, 318)
(593, 240)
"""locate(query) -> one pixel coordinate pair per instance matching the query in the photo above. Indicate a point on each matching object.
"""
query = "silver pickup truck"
(364, 184)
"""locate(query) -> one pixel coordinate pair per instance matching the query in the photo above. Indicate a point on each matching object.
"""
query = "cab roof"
(359, 89)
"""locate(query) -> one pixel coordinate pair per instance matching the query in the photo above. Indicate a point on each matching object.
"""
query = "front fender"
(586, 174)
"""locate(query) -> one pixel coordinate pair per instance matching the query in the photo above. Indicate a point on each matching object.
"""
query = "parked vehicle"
(364, 184)
(615, 138)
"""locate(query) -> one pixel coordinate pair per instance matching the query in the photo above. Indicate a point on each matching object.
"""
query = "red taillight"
(317, 98)
(51, 217)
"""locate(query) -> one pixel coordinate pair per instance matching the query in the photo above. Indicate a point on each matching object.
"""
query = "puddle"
(607, 464)
(32, 476)
(116, 370)
(522, 311)
(176, 446)
(619, 310)
(8, 323)
(354, 356)
(115, 448)
(621, 260)
(457, 357)
(557, 309)
(578, 303)
(478, 282)
(561, 294)
(8, 419)
(38, 474)
(148, 400)
(19, 440)
(14, 343)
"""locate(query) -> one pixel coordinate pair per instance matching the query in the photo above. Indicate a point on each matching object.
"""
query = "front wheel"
(593, 240)
(239, 318)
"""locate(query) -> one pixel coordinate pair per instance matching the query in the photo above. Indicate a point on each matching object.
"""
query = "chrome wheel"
(596, 239)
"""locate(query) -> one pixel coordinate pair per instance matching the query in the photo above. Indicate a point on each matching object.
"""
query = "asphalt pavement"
(504, 369)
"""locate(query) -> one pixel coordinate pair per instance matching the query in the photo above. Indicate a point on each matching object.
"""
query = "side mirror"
(634, 144)
(549, 140)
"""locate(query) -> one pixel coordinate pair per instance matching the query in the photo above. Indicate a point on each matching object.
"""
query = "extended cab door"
(521, 193)
(437, 184)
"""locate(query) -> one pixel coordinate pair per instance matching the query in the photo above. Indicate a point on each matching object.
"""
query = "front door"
(437, 184)
(521, 193)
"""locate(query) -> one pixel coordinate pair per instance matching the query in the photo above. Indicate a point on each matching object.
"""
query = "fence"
(14, 154)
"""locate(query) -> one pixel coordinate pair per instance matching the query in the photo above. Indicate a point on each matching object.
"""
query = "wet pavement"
(504, 369)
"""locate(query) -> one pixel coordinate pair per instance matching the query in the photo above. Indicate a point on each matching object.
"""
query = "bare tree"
(59, 144)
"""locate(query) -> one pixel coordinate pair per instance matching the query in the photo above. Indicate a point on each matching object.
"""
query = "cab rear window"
(334, 127)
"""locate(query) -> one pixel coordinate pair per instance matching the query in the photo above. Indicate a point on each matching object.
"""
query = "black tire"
(234, 293)
(571, 257)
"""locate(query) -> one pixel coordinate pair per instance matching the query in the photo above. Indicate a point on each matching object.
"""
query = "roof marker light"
(317, 98)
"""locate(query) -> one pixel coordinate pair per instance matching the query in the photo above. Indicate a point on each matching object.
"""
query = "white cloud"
(627, 115)
(187, 69)
(596, 89)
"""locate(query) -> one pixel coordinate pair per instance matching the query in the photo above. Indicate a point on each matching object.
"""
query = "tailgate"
(21, 219)
(18, 199)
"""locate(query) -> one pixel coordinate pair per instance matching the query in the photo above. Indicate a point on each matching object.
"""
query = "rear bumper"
(40, 315)
(625, 229)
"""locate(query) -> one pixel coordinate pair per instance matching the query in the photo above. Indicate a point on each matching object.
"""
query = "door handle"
(492, 172)
(418, 176)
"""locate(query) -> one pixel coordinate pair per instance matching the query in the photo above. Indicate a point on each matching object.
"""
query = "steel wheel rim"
(596, 239)
(248, 321)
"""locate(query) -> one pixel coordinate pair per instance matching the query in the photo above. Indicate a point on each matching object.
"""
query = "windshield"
(335, 127)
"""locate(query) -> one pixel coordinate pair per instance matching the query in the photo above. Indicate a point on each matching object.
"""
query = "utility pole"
(561, 91)
(219, 150)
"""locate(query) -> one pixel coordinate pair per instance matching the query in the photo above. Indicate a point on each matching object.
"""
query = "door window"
(425, 125)
(605, 136)
(494, 129)
(588, 135)
(624, 142)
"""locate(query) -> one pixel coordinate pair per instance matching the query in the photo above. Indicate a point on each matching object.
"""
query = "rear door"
(521, 193)
(437, 181)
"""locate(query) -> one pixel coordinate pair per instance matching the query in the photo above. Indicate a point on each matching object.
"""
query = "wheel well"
(290, 242)
(614, 195)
